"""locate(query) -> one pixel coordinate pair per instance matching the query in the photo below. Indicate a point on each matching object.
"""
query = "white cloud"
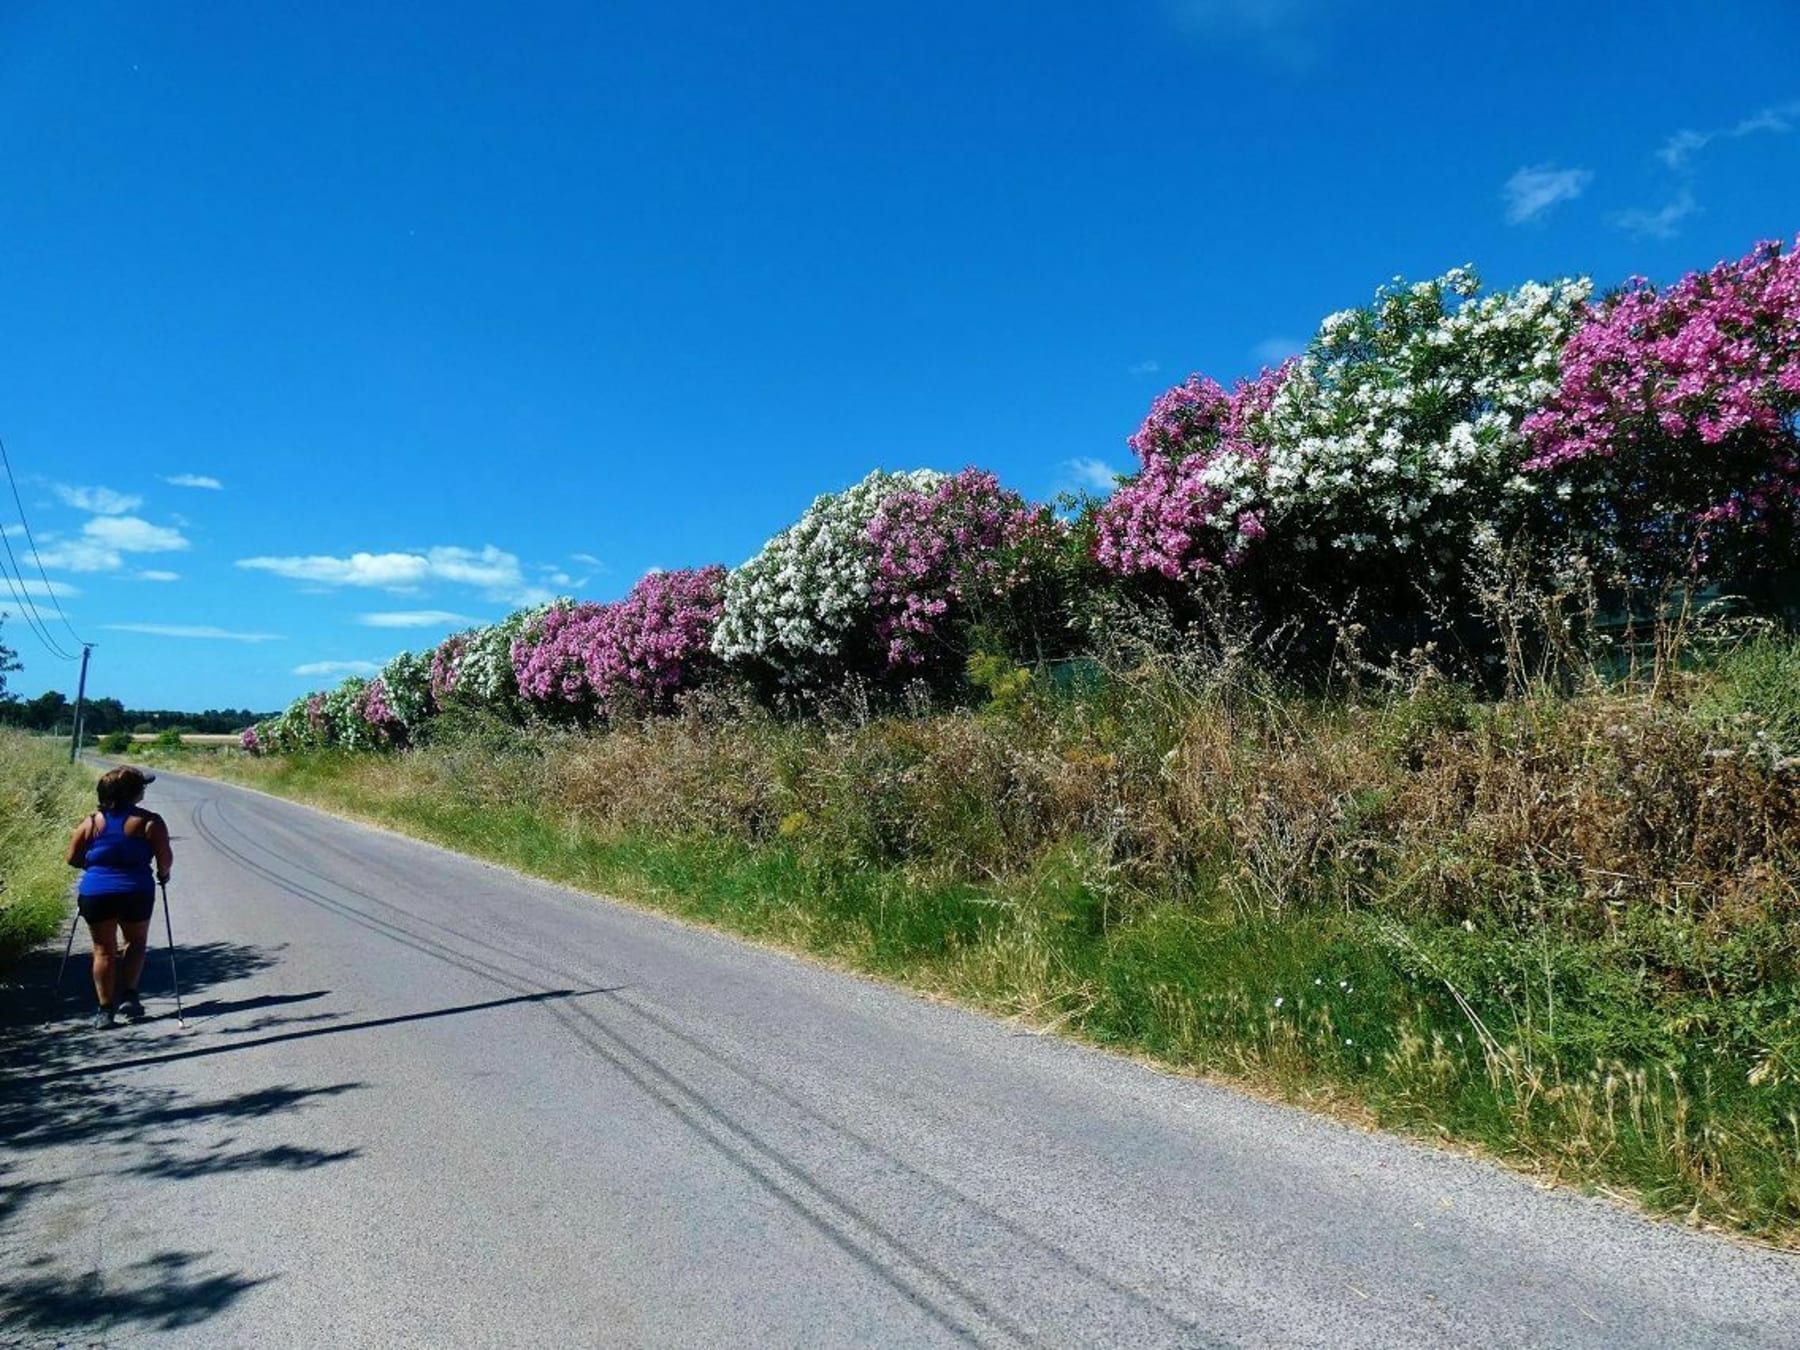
(396, 571)
(312, 668)
(1532, 191)
(128, 534)
(1094, 475)
(586, 560)
(193, 480)
(494, 572)
(78, 555)
(490, 568)
(105, 540)
(101, 501)
(412, 618)
(1144, 368)
(1272, 351)
(186, 630)
(1662, 223)
(154, 575)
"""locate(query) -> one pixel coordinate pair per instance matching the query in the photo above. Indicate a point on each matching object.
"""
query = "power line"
(21, 592)
(49, 588)
(32, 619)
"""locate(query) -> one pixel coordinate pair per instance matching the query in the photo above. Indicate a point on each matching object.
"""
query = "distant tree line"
(54, 711)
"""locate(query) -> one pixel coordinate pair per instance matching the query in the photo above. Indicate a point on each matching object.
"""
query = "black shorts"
(132, 907)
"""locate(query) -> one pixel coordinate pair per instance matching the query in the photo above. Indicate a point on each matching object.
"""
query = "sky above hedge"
(332, 329)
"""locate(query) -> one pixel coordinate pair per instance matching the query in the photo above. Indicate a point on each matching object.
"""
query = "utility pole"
(80, 697)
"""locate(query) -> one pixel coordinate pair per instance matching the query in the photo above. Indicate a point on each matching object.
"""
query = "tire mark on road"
(831, 1214)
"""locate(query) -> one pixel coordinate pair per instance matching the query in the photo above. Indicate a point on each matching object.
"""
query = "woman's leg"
(106, 936)
(137, 944)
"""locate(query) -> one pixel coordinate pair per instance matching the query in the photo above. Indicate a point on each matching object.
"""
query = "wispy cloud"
(152, 574)
(1679, 150)
(1144, 368)
(1089, 475)
(39, 590)
(105, 540)
(193, 480)
(494, 572)
(1681, 153)
(102, 501)
(189, 630)
(1290, 33)
(1272, 351)
(1532, 191)
(316, 668)
(412, 618)
(1662, 223)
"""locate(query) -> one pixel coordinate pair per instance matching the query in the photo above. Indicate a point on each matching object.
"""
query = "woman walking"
(114, 848)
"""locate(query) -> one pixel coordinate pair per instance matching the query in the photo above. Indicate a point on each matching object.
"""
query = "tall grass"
(1561, 927)
(42, 798)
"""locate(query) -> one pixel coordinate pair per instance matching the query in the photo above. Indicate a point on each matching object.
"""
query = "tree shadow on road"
(164, 1292)
(61, 1128)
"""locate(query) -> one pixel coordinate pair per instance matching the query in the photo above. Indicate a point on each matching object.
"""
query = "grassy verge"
(42, 798)
(1561, 930)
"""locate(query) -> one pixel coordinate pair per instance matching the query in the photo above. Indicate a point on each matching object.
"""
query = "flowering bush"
(446, 666)
(1381, 449)
(587, 660)
(250, 740)
(548, 659)
(956, 545)
(406, 690)
(372, 716)
(476, 666)
(1197, 500)
(803, 602)
(1400, 431)
(1672, 431)
(656, 642)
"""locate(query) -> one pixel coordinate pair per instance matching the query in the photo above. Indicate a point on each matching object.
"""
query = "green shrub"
(115, 743)
(42, 796)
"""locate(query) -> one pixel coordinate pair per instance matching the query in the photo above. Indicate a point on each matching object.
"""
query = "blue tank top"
(117, 863)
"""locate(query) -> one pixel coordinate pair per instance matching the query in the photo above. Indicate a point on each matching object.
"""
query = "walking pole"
(174, 979)
(66, 950)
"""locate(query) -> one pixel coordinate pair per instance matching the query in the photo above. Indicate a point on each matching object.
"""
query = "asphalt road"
(423, 1101)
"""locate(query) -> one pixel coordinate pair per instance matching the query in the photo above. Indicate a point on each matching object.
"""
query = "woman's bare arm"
(159, 841)
(78, 844)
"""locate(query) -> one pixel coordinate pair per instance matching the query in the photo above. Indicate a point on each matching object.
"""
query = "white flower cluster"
(406, 680)
(485, 675)
(348, 730)
(1399, 429)
(796, 601)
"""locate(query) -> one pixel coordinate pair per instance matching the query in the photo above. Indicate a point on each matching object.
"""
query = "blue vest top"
(117, 863)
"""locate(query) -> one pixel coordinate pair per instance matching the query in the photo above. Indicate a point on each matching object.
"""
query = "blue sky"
(331, 328)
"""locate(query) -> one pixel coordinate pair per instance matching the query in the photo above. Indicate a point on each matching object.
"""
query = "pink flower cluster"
(964, 539)
(1714, 356)
(580, 659)
(1182, 514)
(446, 663)
(318, 717)
(372, 707)
(250, 740)
(1686, 398)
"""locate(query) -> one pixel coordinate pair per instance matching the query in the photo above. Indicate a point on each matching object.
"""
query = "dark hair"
(120, 787)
